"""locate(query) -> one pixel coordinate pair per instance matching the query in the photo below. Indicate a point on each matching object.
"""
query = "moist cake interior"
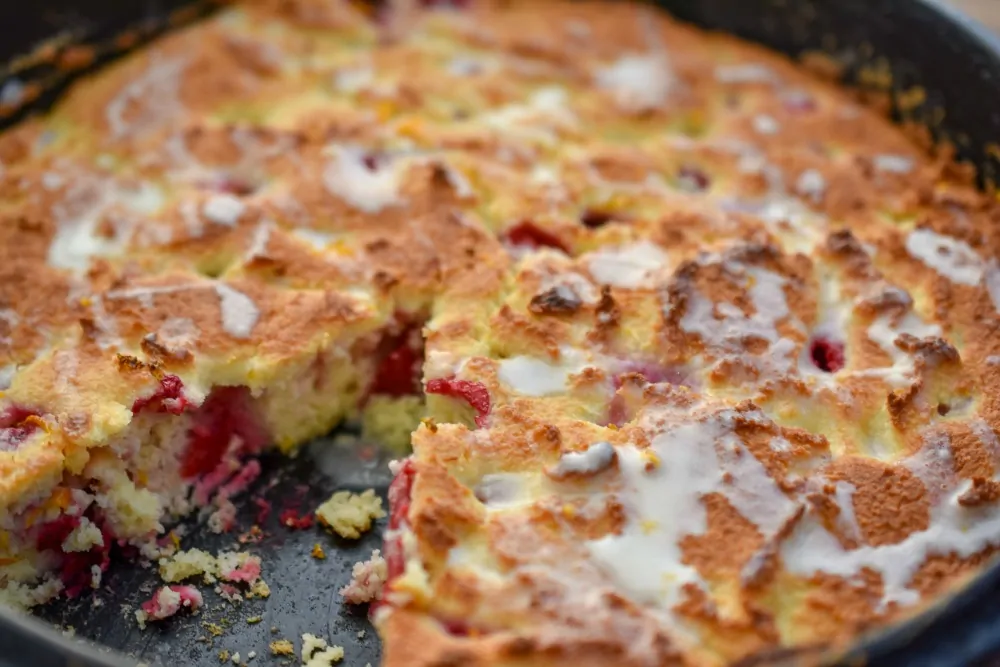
(699, 355)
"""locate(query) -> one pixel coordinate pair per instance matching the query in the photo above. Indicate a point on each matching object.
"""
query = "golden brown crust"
(777, 243)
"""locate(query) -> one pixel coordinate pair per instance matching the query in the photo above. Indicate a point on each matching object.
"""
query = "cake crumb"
(317, 653)
(187, 564)
(317, 552)
(228, 566)
(229, 593)
(236, 658)
(259, 589)
(281, 647)
(251, 655)
(166, 602)
(361, 634)
(253, 620)
(224, 655)
(350, 514)
(84, 537)
(367, 580)
(239, 567)
(213, 629)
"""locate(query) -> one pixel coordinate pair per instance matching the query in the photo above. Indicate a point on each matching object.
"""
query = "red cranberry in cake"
(169, 600)
(290, 518)
(16, 425)
(230, 184)
(169, 397)
(827, 354)
(473, 393)
(400, 497)
(77, 568)
(398, 373)
(693, 178)
(527, 234)
(227, 412)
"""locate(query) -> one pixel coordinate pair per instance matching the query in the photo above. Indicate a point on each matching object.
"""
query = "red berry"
(75, 567)
(400, 496)
(400, 492)
(398, 374)
(527, 234)
(693, 179)
(168, 398)
(474, 393)
(827, 355)
(15, 427)
(290, 518)
(227, 412)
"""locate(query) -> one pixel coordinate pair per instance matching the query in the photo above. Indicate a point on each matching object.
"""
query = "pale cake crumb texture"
(317, 653)
(367, 579)
(350, 514)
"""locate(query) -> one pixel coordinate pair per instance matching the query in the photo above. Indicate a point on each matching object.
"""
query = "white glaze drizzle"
(595, 458)
(631, 266)
(531, 376)
(639, 82)
(370, 190)
(950, 257)
(663, 491)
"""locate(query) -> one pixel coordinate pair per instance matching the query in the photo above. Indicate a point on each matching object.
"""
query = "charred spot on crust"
(159, 352)
(607, 312)
(128, 363)
(558, 300)
(595, 218)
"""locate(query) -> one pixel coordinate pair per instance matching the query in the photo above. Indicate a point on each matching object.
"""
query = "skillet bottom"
(303, 589)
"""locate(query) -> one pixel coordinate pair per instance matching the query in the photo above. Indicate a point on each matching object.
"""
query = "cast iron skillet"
(954, 65)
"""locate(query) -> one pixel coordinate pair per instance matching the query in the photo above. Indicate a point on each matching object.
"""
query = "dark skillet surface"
(956, 61)
(303, 589)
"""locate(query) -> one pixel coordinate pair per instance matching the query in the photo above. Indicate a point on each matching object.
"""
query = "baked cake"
(709, 349)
